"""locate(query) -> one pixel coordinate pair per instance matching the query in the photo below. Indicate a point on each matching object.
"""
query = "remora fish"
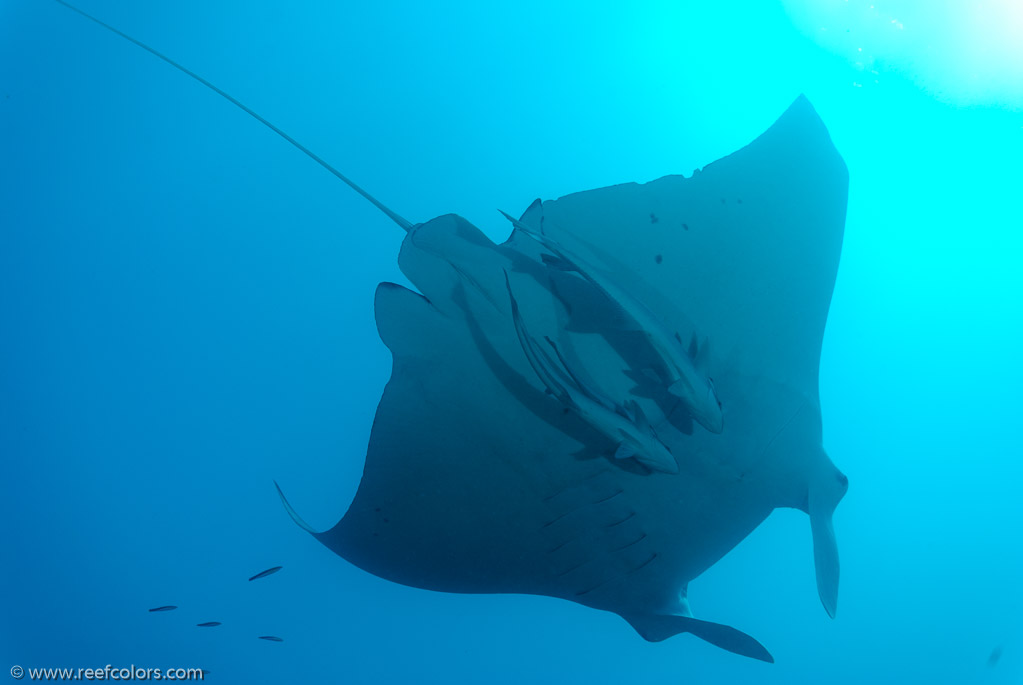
(683, 379)
(626, 426)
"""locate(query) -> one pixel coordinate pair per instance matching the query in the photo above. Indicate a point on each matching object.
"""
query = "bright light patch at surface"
(963, 52)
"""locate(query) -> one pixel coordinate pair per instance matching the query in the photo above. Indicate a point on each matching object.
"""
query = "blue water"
(186, 315)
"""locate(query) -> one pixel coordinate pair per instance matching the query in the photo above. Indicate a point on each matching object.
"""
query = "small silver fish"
(169, 607)
(271, 638)
(268, 572)
(208, 624)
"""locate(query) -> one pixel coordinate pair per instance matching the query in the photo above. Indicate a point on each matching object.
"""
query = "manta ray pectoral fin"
(825, 551)
(655, 628)
(294, 514)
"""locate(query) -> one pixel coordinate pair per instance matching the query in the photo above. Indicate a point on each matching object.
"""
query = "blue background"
(186, 315)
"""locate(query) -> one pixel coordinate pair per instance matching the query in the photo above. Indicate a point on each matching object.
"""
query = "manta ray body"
(477, 480)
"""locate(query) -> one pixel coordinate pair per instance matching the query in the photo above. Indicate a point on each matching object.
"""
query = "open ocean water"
(186, 315)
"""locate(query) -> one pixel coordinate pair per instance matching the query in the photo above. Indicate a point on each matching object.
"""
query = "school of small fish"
(214, 624)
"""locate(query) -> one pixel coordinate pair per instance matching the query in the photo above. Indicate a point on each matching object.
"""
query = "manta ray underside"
(476, 480)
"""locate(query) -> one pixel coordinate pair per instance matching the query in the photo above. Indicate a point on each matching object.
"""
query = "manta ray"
(478, 480)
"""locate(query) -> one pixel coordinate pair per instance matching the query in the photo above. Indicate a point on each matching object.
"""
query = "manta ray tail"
(405, 225)
(655, 628)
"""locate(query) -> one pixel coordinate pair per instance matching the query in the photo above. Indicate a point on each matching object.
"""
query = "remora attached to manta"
(628, 430)
(476, 480)
(683, 379)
